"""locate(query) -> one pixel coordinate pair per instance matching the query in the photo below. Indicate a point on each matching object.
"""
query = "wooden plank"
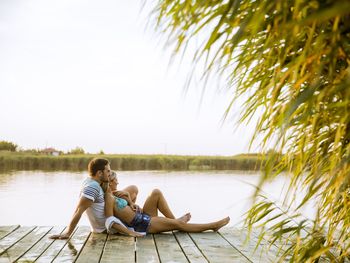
(277, 248)
(194, 255)
(11, 239)
(217, 249)
(41, 246)
(93, 248)
(5, 230)
(146, 251)
(119, 248)
(248, 246)
(168, 248)
(52, 251)
(71, 249)
(22, 246)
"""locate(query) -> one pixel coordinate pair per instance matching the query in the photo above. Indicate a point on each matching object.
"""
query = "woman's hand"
(136, 208)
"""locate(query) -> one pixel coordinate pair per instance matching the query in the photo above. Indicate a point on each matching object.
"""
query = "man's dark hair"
(97, 164)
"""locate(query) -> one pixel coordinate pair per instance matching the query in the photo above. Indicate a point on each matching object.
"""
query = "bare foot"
(185, 218)
(221, 223)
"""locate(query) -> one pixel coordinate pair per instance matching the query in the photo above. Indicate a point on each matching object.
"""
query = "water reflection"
(49, 198)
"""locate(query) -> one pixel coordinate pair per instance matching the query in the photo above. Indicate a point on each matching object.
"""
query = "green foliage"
(77, 150)
(289, 61)
(8, 146)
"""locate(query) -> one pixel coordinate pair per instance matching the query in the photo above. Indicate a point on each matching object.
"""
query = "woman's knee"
(133, 189)
(156, 192)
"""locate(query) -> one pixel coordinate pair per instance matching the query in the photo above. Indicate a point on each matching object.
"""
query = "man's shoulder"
(88, 182)
(92, 190)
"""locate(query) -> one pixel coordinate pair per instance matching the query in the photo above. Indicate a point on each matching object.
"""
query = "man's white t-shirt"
(96, 214)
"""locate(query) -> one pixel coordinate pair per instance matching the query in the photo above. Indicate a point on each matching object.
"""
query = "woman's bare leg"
(156, 201)
(133, 191)
(161, 224)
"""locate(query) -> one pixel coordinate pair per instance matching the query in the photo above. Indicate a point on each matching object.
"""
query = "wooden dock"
(31, 244)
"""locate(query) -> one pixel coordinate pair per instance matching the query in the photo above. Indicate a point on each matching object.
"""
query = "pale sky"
(90, 74)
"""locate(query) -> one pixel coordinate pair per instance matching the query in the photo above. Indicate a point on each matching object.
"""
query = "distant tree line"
(8, 146)
(12, 147)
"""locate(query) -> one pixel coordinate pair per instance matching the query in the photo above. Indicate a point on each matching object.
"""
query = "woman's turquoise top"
(120, 202)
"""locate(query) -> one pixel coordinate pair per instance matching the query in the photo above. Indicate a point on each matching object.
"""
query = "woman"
(147, 219)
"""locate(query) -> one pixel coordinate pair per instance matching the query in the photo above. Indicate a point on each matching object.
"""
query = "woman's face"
(113, 184)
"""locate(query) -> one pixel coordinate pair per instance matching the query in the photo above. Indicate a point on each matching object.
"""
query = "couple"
(109, 213)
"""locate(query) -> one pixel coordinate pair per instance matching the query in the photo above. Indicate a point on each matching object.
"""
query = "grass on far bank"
(38, 161)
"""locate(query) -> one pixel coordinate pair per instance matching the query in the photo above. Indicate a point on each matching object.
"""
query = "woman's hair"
(112, 176)
(97, 164)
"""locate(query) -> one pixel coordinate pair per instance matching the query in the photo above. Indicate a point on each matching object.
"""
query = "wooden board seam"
(17, 226)
(194, 242)
(155, 244)
(180, 246)
(103, 248)
(51, 227)
(67, 240)
(17, 241)
(234, 247)
(87, 238)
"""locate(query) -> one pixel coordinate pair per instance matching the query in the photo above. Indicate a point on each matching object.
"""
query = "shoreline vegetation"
(127, 162)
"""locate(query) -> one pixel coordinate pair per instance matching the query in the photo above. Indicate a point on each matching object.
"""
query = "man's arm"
(84, 203)
(123, 230)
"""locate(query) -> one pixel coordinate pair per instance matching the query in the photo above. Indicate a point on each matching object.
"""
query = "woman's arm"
(125, 195)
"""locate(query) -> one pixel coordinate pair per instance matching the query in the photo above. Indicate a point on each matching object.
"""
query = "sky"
(96, 75)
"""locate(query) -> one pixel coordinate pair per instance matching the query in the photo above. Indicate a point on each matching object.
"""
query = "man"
(92, 200)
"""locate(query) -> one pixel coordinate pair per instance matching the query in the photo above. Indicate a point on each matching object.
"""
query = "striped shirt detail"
(95, 213)
(93, 191)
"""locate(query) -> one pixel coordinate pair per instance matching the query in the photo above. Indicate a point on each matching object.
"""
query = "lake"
(49, 198)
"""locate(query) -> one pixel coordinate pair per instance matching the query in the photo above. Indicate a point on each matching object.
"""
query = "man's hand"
(60, 236)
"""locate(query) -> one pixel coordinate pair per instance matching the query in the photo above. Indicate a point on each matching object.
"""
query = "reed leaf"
(288, 61)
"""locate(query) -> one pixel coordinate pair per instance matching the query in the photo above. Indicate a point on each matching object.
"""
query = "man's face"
(104, 175)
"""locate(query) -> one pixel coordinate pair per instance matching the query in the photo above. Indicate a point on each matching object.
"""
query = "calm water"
(49, 198)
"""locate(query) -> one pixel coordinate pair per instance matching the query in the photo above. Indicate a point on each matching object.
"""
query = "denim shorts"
(141, 222)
